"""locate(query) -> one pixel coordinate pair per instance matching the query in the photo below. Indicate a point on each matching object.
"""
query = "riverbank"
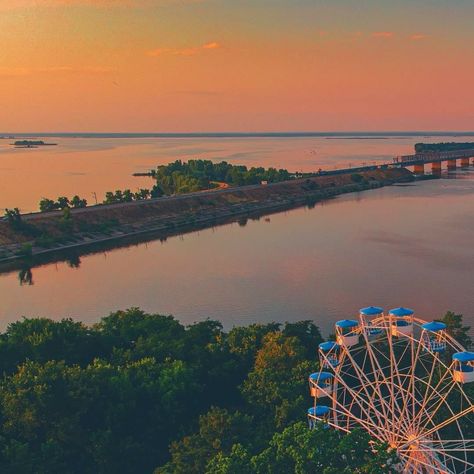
(50, 233)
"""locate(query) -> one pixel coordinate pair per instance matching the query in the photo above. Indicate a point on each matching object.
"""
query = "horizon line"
(212, 134)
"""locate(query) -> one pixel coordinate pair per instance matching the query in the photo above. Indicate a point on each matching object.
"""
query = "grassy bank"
(40, 234)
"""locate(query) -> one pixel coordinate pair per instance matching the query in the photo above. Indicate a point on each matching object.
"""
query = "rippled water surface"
(402, 245)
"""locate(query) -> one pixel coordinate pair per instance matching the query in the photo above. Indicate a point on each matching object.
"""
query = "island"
(31, 144)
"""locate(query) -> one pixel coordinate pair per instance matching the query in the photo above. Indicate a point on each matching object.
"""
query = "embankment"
(40, 234)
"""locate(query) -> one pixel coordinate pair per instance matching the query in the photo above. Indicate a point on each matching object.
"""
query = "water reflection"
(73, 261)
(399, 245)
(25, 276)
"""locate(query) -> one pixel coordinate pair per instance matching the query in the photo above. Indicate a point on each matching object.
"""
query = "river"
(405, 245)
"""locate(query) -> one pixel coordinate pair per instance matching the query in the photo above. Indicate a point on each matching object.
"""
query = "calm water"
(86, 166)
(401, 245)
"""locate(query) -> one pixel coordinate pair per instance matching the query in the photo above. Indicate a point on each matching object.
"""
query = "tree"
(16, 222)
(77, 202)
(156, 191)
(142, 194)
(219, 430)
(109, 198)
(307, 333)
(299, 450)
(266, 383)
(237, 462)
(276, 386)
(134, 334)
(62, 202)
(47, 205)
(41, 340)
(118, 196)
(13, 216)
(455, 328)
(127, 196)
(66, 214)
(99, 418)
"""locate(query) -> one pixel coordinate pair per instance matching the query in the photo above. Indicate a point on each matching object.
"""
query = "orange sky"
(236, 65)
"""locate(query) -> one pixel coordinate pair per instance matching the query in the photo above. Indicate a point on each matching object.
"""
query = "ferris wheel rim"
(412, 451)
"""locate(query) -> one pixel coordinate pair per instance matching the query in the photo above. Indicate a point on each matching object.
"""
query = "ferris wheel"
(406, 382)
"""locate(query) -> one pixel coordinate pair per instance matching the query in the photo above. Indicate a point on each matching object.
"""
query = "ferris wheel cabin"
(366, 316)
(402, 321)
(463, 371)
(346, 332)
(318, 413)
(320, 384)
(433, 337)
(329, 354)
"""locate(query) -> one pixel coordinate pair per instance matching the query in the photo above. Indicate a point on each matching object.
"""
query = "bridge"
(419, 160)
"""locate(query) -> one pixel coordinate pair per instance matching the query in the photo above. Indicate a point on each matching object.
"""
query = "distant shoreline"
(354, 134)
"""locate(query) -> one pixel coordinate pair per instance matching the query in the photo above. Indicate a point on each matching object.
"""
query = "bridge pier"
(419, 169)
(436, 167)
(452, 165)
(464, 162)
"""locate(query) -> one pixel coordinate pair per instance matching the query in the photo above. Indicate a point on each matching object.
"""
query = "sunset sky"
(236, 65)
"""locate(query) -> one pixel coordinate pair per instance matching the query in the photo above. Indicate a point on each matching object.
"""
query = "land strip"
(47, 233)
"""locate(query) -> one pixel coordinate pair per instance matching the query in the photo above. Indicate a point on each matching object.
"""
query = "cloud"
(195, 92)
(14, 71)
(382, 34)
(190, 51)
(18, 4)
(417, 37)
(212, 45)
(85, 69)
(22, 71)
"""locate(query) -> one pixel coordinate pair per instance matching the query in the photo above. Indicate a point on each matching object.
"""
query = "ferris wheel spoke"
(411, 383)
(448, 371)
(372, 428)
(440, 425)
(365, 407)
(383, 417)
(445, 454)
(429, 415)
(418, 464)
(363, 404)
(443, 379)
(467, 443)
(376, 371)
(431, 396)
(381, 379)
(394, 372)
(411, 467)
(444, 450)
(430, 371)
(433, 409)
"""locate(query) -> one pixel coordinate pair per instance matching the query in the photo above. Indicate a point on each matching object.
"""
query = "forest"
(142, 393)
(448, 146)
(194, 175)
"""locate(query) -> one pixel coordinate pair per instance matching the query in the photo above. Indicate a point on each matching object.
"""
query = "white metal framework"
(394, 375)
